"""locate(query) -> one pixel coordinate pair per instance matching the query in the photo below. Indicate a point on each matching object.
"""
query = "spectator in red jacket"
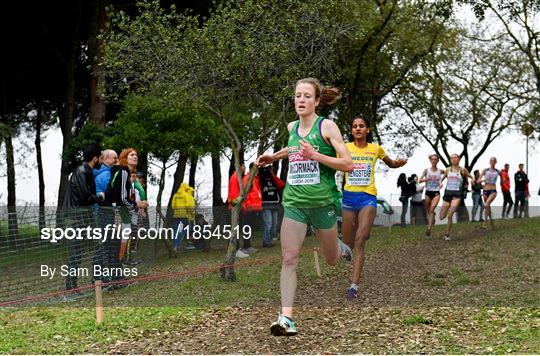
(252, 208)
(505, 188)
(234, 187)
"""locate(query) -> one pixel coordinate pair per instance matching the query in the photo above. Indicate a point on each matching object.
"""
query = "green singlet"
(309, 183)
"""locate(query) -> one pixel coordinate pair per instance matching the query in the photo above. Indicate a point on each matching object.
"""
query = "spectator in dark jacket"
(79, 197)
(271, 187)
(251, 208)
(121, 195)
(520, 184)
(408, 188)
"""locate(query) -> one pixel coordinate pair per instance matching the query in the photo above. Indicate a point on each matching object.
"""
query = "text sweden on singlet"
(302, 171)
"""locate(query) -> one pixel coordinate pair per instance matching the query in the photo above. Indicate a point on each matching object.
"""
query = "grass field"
(478, 293)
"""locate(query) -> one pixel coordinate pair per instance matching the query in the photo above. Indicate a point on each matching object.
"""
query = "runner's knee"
(332, 260)
(290, 257)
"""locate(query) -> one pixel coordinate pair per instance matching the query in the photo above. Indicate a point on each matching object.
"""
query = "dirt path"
(424, 296)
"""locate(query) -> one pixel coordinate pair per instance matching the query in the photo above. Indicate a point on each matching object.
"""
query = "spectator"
(144, 220)
(477, 196)
(462, 213)
(136, 219)
(121, 195)
(527, 196)
(252, 208)
(505, 188)
(201, 243)
(79, 198)
(102, 177)
(418, 209)
(520, 181)
(271, 187)
(183, 205)
(407, 190)
(234, 186)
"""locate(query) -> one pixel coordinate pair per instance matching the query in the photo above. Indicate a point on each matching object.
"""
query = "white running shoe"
(345, 250)
(284, 326)
(447, 237)
(241, 254)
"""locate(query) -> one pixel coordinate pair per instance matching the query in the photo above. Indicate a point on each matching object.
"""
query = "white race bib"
(361, 174)
(454, 182)
(303, 171)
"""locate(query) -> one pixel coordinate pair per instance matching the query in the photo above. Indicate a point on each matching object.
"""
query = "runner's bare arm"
(332, 134)
(394, 163)
(480, 179)
(423, 176)
(444, 175)
(263, 160)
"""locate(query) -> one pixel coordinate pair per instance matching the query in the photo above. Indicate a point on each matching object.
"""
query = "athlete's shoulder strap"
(294, 126)
(320, 120)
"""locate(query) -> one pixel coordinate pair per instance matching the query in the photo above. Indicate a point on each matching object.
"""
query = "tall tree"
(520, 20)
(98, 26)
(238, 67)
(389, 39)
(217, 199)
(192, 170)
(463, 97)
(13, 228)
(67, 109)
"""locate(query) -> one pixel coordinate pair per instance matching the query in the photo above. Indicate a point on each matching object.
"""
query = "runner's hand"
(307, 150)
(401, 162)
(264, 160)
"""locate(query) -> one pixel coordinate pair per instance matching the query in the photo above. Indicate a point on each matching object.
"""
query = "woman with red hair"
(123, 195)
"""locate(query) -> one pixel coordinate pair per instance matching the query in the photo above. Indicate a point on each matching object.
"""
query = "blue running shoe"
(352, 293)
(283, 327)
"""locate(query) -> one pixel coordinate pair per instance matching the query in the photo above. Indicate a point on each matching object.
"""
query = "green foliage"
(240, 65)
(387, 42)
(152, 125)
(90, 133)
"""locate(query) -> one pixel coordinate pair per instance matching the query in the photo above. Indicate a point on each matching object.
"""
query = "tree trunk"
(41, 178)
(216, 180)
(231, 166)
(98, 25)
(13, 228)
(192, 170)
(168, 241)
(220, 212)
(66, 115)
(227, 269)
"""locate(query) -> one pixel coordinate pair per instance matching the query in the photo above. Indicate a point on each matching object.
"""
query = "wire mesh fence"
(48, 255)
